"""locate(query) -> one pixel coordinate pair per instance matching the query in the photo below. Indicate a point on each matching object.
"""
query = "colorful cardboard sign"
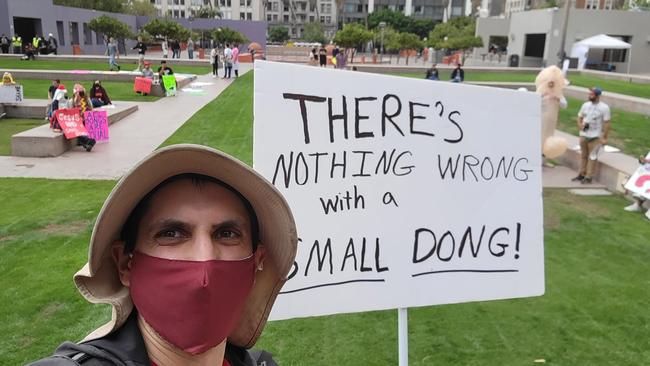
(639, 182)
(142, 85)
(11, 93)
(70, 121)
(404, 194)
(169, 81)
(97, 124)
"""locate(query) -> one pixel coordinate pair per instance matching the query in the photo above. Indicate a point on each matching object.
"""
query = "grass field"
(10, 127)
(37, 89)
(594, 311)
(587, 81)
(94, 65)
(630, 132)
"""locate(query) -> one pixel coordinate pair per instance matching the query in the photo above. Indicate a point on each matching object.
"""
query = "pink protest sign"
(97, 125)
(71, 123)
(142, 85)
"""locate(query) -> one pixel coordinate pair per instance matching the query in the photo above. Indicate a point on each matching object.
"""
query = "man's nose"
(204, 248)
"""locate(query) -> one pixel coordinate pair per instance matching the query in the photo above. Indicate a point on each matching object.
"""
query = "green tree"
(394, 19)
(226, 35)
(113, 6)
(110, 27)
(457, 34)
(140, 7)
(421, 27)
(279, 34)
(409, 41)
(314, 32)
(166, 29)
(353, 35)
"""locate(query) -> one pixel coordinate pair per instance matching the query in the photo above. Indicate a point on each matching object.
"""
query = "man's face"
(592, 96)
(189, 222)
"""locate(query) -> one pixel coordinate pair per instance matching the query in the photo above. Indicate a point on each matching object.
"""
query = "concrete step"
(84, 75)
(42, 141)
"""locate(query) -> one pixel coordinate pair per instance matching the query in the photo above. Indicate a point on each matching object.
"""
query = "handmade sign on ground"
(639, 182)
(11, 93)
(405, 192)
(142, 85)
(169, 82)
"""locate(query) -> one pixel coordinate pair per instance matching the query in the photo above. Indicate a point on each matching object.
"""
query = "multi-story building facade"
(295, 14)
(514, 6)
(436, 10)
(230, 9)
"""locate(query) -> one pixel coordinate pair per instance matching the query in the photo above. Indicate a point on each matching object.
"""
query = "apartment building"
(436, 10)
(295, 14)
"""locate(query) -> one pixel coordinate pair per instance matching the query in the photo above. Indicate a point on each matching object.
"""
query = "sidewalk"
(131, 139)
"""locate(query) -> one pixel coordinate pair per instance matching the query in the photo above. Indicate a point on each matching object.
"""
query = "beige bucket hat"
(98, 280)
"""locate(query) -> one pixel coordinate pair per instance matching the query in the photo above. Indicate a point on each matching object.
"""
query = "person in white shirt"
(214, 61)
(594, 121)
(227, 61)
(165, 48)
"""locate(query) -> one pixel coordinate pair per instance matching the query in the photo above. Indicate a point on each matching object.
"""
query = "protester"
(432, 73)
(7, 79)
(165, 48)
(113, 54)
(4, 43)
(81, 101)
(176, 49)
(59, 99)
(162, 71)
(322, 57)
(142, 49)
(458, 75)
(98, 95)
(30, 53)
(227, 62)
(214, 61)
(17, 44)
(190, 249)
(335, 52)
(52, 44)
(235, 59)
(147, 72)
(637, 206)
(594, 120)
(50, 97)
(190, 48)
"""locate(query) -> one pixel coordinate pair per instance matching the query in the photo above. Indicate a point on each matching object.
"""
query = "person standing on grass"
(165, 48)
(4, 43)
(214, 61)
(594, 121)
(113, 54)
(190, 48)
(141, 48)
(235, 59)
(190, 250)
(176, 49)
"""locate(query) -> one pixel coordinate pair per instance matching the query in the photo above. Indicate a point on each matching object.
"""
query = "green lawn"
(10, 127)
(37, 89)
(226, 123)
(594, 311)
(630, 132)
(587, 81)
(94, 65)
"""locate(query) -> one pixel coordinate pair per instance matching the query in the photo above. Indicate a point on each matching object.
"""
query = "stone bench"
(88, 75)
(42, 141)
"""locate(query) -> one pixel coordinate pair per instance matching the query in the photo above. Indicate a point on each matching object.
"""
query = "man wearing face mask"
(191, 249)
(593, 123)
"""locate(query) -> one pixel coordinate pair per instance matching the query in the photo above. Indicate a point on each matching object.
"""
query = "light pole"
(561, 53)
(382, 26)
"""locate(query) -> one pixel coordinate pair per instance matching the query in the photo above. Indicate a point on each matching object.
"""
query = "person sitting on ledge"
(98, 95)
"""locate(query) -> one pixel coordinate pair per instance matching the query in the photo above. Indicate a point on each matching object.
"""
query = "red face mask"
(194, 305)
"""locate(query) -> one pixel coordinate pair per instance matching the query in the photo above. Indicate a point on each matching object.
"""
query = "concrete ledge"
(99, 58)
(28, 108)
(83, 75)
(612, 168)
(631, 78)
(42, 141)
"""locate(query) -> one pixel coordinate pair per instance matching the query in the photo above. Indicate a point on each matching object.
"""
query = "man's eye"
(227, 234)
(169, 234)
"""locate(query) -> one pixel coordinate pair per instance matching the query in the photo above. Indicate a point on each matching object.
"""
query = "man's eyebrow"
(168, 223)
(230, 223)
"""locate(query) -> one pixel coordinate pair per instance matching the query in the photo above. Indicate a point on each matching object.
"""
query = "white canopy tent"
(601, 41)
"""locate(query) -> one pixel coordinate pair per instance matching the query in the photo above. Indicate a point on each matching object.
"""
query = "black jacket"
(125, 347)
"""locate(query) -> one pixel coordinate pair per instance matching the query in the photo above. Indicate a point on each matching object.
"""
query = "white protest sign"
(639, 182)
(11, 93)
(405, 192)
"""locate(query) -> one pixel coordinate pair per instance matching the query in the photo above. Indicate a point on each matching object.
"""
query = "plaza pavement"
(131, 139)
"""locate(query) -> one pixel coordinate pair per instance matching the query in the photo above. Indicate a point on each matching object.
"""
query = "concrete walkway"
(131, 139)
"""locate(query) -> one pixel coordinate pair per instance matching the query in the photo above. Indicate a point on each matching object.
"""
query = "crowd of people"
(38, 46)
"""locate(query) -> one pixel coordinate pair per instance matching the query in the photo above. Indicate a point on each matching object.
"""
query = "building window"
(592, 4)
(88, 34)
(311, 18)
(322, 19)
(182, 13)
(275, 17)
(242, 2)
(535, 44)
(609, 4)
(242, 16)
(249, 16)
(275, 6)
(74, 32)
(182, 2)
(60, 32)
(268, 17)
(328, 19)
(99, 38)
(286, 18)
